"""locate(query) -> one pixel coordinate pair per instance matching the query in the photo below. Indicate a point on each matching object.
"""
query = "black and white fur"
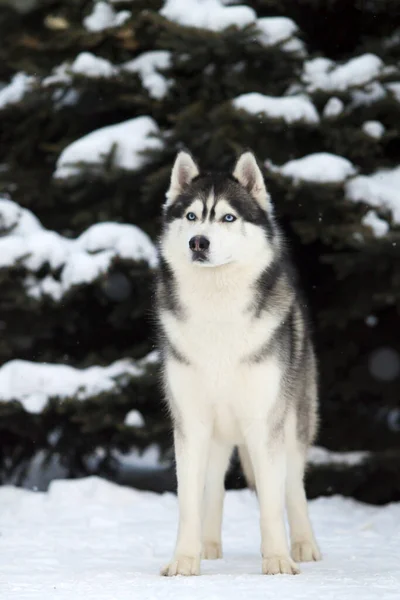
(238, 363)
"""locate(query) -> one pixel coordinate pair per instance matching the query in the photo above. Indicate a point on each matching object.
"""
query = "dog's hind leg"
(218, 461)
(247, 467)
(303, 544)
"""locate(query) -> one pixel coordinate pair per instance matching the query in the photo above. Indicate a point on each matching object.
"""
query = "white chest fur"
(216, 334)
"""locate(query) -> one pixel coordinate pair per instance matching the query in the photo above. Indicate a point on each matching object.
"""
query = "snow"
(322, 74)
(321, 167)
(60, 74)
(34, 384)
(275, 30)
(91, 539)
(381, 189)
(20, 84)
(294, 45)
(374, 129)
(13, 217)
(395, 89)
(371, 93)
(207, 14)
(321, 456)
(86, 64)
(289, 108)
(134, 419)
(379, 226)
(104, 16)
(150, 459)
(81, 260)
(214, 15)
(333, 108)
(128, 138)
(90, 65)
(147, 65)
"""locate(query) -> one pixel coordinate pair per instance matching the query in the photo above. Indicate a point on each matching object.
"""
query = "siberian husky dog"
(239, 368)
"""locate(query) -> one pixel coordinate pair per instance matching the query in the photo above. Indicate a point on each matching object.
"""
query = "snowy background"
(96, 98)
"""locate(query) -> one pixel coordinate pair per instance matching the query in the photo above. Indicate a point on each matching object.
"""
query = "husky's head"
(214, 219)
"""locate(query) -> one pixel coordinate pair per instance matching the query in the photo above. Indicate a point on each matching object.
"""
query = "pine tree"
(307, 77)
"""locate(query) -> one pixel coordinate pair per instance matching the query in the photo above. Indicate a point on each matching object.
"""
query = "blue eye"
(191, 216)
(228, 218)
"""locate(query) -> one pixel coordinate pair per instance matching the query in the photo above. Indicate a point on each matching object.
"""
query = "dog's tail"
(247, 467)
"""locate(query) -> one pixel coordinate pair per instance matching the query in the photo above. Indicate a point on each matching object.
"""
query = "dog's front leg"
(191, 452)
(269, 462)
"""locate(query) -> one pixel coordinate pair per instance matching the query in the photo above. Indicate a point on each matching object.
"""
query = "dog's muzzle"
(199, 245)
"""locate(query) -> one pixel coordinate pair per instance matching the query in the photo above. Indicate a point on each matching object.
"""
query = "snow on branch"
(320, 167)
(128, 140)
(103, 16)
(290, 109)
(24, 241)
(35, 384)
(213, 15)
(381, 190)
(20, 84)
(324, 74)
(147, 66)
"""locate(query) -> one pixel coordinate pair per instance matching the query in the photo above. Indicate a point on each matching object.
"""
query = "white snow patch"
(60, 74)
(395, 89)
(149, 459)
(333, 108)
(381, 189)
(207, 14)
(34, 384)
(276, 29)
(90, 65)
(379, 226)
(321, 74)
(127, 240)
(20, 220)
(20, 84)
(82, 260)
(214, 15)
(89, 539)
(104, 16)
(294, 45)
(374, 129)
(321, 167)
(371, 93)
(134, 419)
(289, 108)
(322, 456)
(147, 65)
(129, 139)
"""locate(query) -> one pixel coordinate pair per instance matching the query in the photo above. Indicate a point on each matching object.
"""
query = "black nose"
(199, 243)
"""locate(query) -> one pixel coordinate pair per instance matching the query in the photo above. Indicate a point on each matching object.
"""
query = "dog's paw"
(275, 565)
(182, 565)
(211, 550)
(305, 551)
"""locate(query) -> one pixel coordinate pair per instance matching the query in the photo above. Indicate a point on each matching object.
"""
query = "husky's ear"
(183, 171)
(248, 174)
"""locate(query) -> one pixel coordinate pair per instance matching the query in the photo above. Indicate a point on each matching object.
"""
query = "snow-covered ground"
(94, 540)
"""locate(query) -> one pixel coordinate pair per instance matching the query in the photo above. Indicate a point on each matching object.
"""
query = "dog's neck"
(222, 279)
